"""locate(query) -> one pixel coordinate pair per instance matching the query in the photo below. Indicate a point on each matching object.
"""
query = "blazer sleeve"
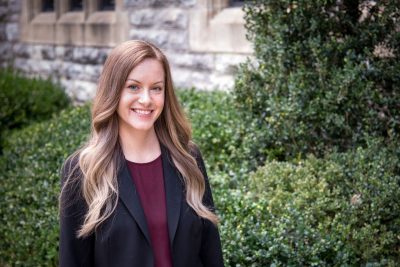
(73, 251)
(211, 251)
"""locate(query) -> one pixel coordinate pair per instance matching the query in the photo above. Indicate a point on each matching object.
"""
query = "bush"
(219, 130)
(24, 100)
(30, 184)
(342, 210)
(326, 74)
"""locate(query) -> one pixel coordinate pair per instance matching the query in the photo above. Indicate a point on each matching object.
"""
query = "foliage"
(24, 100)
(29, 187)
(219, 130)
(325, 74)
(342, 210)
(338, 210)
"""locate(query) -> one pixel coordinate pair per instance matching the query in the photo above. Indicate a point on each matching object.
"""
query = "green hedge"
(342, 210)
(29, 187)
(221, 132)
(319, 81)
(24, 100)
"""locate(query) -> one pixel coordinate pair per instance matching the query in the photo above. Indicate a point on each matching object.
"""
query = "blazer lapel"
(131, 199)
(173, 192)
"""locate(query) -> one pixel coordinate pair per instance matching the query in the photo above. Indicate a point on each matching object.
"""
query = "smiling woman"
(137, 194)
(142, 100)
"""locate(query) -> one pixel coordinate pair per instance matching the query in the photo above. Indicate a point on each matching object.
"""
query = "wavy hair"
(100, 158)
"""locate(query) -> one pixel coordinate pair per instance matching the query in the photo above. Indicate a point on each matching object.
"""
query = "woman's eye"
(133, 87)
(157, 89)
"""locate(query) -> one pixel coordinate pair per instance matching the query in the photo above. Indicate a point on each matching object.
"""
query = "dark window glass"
(76, 5)
(106, 5)
(47, 5)
(236, 2)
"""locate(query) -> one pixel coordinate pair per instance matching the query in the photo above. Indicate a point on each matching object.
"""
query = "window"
(48, 6)
(106, 5)
(76, 5)
(74, 22)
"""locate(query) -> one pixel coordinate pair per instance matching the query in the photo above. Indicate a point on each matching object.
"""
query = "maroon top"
(149, 181)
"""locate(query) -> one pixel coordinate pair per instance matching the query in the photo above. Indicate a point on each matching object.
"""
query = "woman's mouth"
(142, 111)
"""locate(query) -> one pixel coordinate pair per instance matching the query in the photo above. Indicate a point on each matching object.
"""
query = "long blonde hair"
(100, 158)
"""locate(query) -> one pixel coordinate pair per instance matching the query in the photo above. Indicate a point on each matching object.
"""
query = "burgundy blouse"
(149, 181)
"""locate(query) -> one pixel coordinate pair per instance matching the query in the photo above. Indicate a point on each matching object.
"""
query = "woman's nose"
(144, 97)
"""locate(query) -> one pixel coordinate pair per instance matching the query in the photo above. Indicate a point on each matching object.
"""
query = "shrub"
(24, 100)
(326, 73)
(342, 210)
(29, 187)
(219, 130)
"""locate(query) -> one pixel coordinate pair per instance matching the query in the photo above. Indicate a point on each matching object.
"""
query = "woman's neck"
(138, 146)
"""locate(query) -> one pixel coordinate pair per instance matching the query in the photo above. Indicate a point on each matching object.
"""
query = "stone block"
(160, 18)
(196, 62)
(68, 53)
(22, 65)
(73, 71)
(142, 17)
(184, 78)
(59, 52)
(228, 63)
(21, 50)
(12, 32)
(35, 52)
(92, 72)
(172, 18)
(173, 40)
(159, 38)
(89, 55)
(222, 82)
(5, 51)
(188, 3)
(44, 67)
(48, 52)
(79, 91)
(14, 6)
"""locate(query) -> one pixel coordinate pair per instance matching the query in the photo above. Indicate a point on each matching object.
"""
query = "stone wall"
(77, 68)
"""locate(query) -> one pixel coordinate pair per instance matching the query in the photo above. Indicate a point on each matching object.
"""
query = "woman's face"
(142, 98)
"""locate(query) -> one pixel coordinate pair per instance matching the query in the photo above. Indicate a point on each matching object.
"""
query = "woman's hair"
(100, 158)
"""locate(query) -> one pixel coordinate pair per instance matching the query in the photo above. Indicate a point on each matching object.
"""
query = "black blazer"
(123, 239)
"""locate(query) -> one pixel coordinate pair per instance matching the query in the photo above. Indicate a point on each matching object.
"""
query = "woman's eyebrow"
(133, 80)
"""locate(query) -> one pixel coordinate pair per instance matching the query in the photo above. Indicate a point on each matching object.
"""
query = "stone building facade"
(68, 40)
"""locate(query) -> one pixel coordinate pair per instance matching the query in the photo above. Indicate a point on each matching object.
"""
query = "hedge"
(325, 74)
(342, 210)
(24, 100)
(30, 184)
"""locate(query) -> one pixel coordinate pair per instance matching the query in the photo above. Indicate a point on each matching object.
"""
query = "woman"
(137, 193)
